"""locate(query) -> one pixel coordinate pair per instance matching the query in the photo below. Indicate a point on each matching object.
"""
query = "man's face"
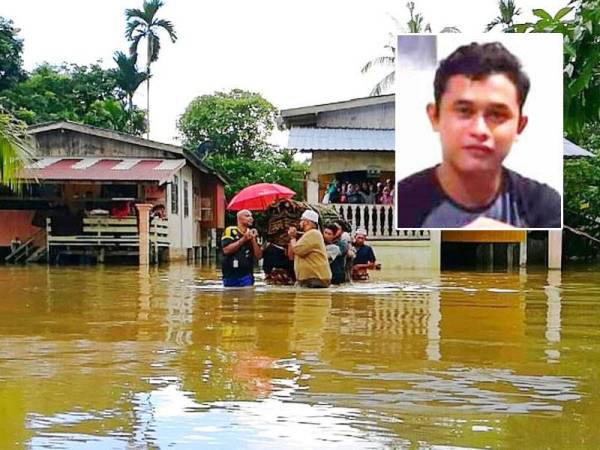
(245, 219)
(338, 230)
(478, 121)
(305, 225)
(328, 236)
(359, 240)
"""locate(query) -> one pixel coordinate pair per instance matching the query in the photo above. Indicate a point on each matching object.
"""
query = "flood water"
(115, 357)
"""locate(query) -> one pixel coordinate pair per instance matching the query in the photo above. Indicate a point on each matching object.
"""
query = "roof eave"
(201, 166)
(104, 133)
(308, 114)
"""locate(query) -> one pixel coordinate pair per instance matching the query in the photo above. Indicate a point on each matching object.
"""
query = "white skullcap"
(310, 215)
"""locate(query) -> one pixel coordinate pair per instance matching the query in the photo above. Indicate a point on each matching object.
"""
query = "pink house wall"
(15, 223)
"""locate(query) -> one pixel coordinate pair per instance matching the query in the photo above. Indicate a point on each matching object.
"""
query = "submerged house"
(87, 187)
(354, 139)
(349, 140)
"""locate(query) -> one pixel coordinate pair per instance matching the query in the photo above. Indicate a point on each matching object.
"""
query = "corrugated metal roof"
(349, 139)
(103, 169)
(337, 106)
(570, 149)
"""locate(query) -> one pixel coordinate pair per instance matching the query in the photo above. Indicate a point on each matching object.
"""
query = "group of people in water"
(312, 258)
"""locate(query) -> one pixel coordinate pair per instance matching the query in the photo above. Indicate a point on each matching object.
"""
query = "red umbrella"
(258, 197)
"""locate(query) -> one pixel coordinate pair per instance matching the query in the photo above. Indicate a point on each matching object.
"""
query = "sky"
(293, 53)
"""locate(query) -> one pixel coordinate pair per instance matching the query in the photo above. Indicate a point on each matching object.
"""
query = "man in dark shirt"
(336, 250)
(479, 94)
(240, 250)
(365, 256)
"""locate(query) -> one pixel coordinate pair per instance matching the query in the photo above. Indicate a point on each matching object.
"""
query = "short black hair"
(343, 224)
(331, 227)
(477, 61)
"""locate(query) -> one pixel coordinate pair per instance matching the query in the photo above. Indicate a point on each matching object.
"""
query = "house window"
(129, 191)
(186, 199)
(175, 195)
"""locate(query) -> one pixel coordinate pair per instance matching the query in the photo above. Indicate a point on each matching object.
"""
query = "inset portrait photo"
(479, 131)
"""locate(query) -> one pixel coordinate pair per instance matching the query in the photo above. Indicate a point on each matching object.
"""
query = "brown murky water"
(112, 357)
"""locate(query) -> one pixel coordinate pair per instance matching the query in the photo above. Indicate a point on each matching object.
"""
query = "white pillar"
(435, 243)
(553, 319)
(144, 232)
(523, 252)
(312, 192)
(553, 301)
(554, 249)
(433, 328)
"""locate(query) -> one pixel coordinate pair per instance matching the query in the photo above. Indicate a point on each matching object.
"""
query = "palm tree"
(416, 24)
(16, 149)
(508, 13)
(143, 24)
(384, 61)
(127, 75)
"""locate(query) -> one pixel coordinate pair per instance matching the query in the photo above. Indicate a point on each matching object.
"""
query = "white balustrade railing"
(378, 220)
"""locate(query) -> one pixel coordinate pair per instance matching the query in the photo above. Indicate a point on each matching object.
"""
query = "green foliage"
(87, 94)
(143, 24)
(16, 149)
(127, 77)
(11, 49)
(582, 194)
(581, 112)
(581, 77)
(113, 115)
(508, 12)
(582, 189)
(416, 23)
(280, 168)
(238, 123)
(582, 203)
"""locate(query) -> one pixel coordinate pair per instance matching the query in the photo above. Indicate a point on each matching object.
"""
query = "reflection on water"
(165, 358)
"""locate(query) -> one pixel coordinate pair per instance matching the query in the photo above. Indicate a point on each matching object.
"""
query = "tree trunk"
(148, 89)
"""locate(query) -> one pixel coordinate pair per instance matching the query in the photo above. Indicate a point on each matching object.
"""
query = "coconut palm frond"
(151, 7)
(168, 26)
(16, 150)
(128, 76)
(490, 26)
(134, 13)
(153, 47)
(383, 85)
(134, 26)
(135, 42)
(379, 61)
(508, 12)
(397, 25)
(143, 24)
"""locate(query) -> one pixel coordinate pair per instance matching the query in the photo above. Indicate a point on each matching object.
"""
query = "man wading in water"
(240, 251)
(310, 258)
